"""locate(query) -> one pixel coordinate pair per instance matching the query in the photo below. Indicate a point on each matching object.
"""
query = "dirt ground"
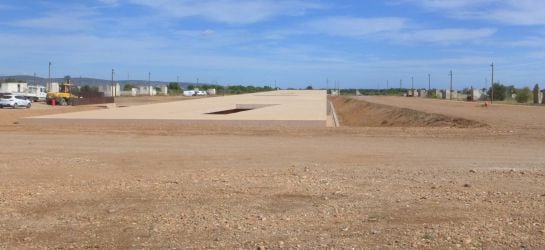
(417, 186)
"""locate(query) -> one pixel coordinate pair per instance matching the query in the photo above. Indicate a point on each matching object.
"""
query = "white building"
(439, 93)
(147, 91)
(110, 90)
(14, 87)
(132, 92)
(478, 95)
(53, 87)
(164, 90)
(211, 91)
(422, 93)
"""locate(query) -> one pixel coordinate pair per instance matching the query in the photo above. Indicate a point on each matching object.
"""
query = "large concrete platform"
(286, 107)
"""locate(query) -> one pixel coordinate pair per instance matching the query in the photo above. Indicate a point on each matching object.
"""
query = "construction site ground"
(401, 173)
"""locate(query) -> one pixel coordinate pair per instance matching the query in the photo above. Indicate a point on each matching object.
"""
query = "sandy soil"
(350, 187)
(359, 113)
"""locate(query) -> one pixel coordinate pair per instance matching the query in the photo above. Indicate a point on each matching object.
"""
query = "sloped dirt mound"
(358, 113)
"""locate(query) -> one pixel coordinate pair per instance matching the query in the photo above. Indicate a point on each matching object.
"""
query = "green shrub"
(500, 92)
(523, 95)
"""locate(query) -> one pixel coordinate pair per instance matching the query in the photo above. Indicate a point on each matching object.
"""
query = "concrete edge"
(334, 113)
(159, 123)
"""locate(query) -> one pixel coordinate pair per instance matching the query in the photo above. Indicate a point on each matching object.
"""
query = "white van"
(189, 93)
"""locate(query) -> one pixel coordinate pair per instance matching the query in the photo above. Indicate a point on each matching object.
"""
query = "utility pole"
(387, 84)
(35, 81)
(412, 84)
(49, 81)
(149, 79)
(400, 84)
(429, 82)
(178, 80)
(492, 84)
(113, 72)
(450, 85)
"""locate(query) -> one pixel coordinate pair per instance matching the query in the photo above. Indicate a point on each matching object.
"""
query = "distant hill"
(86, 81)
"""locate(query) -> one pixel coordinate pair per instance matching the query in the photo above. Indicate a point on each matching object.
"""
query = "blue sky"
(360, 43)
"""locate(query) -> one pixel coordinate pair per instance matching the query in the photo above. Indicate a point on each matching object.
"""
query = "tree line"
(501, 92)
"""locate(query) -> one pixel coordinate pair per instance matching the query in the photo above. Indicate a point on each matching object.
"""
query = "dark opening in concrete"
(229, 111)
(241, 108)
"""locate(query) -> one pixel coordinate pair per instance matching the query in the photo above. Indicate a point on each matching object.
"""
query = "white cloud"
(230, 11)
(356, 27)
(450, 4)
(527, 42)
(446, 36)
(74, 20)
(394, 29)
(110, 2)
(520, 12)
(511, 12)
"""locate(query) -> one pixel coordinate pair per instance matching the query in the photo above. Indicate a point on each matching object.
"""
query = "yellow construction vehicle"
(63, 97)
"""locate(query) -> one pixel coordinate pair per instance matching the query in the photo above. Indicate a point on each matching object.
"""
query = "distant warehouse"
(14, 87)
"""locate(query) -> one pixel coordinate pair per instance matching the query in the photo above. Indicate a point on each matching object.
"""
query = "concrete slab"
(304, 107)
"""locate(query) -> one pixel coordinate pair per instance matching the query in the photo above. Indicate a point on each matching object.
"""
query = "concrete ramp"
(291, 108)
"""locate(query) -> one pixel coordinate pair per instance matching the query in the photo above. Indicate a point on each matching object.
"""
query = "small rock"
(467, 241)
(472, 171)
(467, 185)
(372, 219)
